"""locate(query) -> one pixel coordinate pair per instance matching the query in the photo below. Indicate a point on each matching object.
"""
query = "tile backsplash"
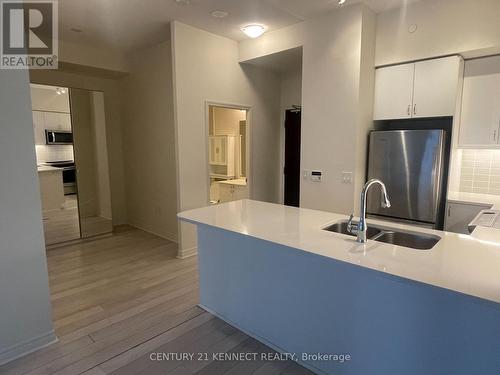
(480, 172)
(46, 153)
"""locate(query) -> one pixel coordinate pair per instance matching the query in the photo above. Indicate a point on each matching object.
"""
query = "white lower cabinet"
(230, 192)
(459, 215)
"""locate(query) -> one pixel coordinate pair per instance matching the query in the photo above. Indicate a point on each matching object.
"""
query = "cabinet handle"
(449, 211)
(409, 109)
(414, 109)
(495, 135)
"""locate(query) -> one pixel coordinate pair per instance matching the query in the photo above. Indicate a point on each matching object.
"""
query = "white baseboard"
(169, 236)
(188, 253)
(27, 347)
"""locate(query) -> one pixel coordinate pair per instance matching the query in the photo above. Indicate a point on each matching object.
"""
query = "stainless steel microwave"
(58, 137)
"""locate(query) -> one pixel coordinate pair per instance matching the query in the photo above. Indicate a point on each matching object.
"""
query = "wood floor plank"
(99, 352)
(117, 299)
(221, 367)
(194, 341)
(151, 345)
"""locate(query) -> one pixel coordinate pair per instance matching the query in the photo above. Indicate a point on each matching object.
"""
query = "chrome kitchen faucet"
(360, 228)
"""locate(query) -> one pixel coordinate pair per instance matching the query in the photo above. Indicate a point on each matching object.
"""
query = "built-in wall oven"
(68, 174)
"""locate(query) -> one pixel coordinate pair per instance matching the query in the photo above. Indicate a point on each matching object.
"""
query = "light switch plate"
(316, 176)
(347, 177)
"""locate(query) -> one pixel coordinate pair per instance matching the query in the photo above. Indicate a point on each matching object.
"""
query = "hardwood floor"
(118, 299)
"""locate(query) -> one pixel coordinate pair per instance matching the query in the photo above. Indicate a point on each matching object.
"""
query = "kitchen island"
(274, 273)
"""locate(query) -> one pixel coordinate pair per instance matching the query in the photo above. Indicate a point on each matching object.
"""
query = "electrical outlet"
(347, 177)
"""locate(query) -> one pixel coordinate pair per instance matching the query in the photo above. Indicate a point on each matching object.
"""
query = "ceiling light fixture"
(253, 30)
(342, 2)
(183, 2)
(219, 14)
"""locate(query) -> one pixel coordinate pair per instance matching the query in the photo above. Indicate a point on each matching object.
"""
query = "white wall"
(366, 99)
(226, 121)
(206, 69)
(149, 142)
(337, 92)
(25, 313)
(90, 56)
(468, 27)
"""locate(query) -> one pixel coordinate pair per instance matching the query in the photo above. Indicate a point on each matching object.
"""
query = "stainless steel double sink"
(413, 240)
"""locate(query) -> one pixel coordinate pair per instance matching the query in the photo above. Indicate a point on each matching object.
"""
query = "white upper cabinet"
(423, 89)
(480, 117)
(394, 92)
(39, 127)
(65, 120)
(436, 87)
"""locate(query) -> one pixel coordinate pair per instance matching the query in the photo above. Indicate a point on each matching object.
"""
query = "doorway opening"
(292, 157)
(228, 153)
(72, 162)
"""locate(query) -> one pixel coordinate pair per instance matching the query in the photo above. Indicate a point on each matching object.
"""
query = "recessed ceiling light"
(219, 13)
(254, 30)
(183, 2)
(342, 2)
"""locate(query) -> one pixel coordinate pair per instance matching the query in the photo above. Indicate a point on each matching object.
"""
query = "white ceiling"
(129, 24)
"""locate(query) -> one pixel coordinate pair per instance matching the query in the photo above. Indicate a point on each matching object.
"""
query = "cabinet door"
(459, 215)
(211, 146)
(225, 193)
(65, 121)
(53, 121)
(39, 127)
(216, 151)
(480, 118)
(436, 87)
(240, 192)
(394, 92)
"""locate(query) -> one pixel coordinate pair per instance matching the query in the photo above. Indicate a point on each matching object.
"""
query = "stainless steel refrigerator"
(411, 163)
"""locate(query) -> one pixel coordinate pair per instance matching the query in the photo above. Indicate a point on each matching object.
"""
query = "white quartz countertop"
(238, 181)
(46, 168)
(462, 263)
(473, 198)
